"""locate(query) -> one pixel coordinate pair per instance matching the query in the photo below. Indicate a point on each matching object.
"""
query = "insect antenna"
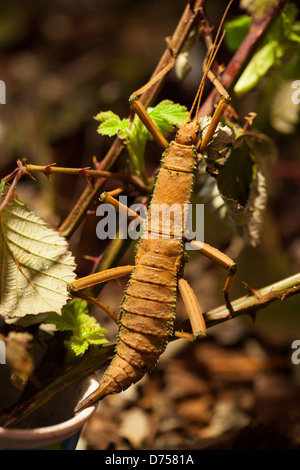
(212, 55)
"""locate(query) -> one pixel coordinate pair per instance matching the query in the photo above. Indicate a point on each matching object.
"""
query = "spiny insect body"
(147, 311)
(148, 306)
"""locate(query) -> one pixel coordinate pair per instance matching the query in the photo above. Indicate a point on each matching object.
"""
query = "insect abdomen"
(148, 307)
(147, 314)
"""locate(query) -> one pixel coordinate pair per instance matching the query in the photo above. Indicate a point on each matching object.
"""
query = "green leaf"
(124, 129)
(236, 31)
(291, 70)
(35, 264)
(262, 61)
(111, 124)
(282, 41)
(166, 115)
(109, 127)
(236, 177)
(105, 115)
(238, 193)
(174, 113)
(290, 26)
(77, 345)
(257, 8)
(84, 329)
(134, 134)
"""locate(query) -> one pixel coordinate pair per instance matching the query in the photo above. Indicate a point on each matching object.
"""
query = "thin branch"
(92, 361)
(97, 358)
(258, 30)
(86, 172)
(248, 304)
(252, 302)
(17, 175)
(175, 43)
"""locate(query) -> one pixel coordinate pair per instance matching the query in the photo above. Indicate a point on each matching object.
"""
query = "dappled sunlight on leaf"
(35, 263)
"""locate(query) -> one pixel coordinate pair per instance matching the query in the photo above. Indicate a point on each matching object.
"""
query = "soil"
(241, 395)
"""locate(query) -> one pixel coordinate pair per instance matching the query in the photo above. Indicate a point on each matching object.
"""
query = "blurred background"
(65, 61)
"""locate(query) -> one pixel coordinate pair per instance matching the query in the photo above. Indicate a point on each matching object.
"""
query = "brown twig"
(48, 169)
(16, 175)
(252, 302)
(82, 368)
(258, 30)
(248, 304)
(96, 358)
(176, 42)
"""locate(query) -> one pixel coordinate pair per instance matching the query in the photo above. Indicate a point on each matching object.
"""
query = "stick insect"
(147, 310)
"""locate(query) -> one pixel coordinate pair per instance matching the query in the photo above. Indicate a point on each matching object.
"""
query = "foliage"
(238, 191)
(280, 48)
(166, 116)
(84, 329)
(257, 8)
(35, 263)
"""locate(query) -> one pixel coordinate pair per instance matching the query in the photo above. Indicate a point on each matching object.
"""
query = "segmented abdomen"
(148, 307)
(147, 314)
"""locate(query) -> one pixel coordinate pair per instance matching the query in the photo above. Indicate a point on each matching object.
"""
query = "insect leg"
(108, 274)
(137, 106)
(99, 304)
(141, 111)
(217, 84)
(223, 103)
(97, 278)
(222, 259)
(108, 198)
(193, 309)
(184, 335)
